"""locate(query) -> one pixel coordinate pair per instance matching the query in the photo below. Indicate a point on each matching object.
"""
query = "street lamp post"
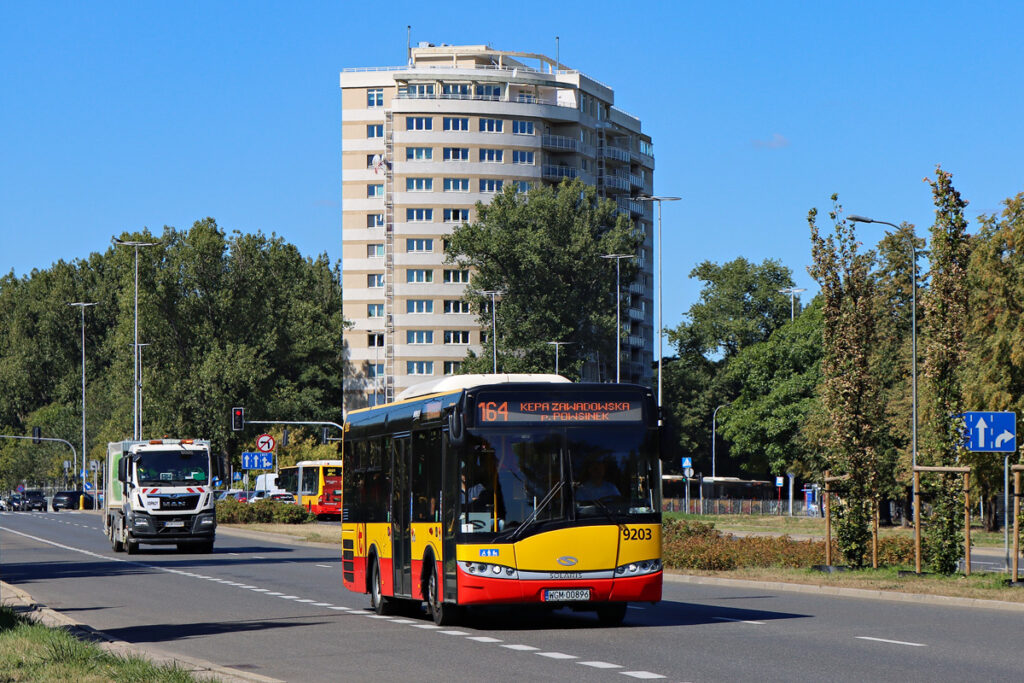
(714, 430)
(82, 305)
(558, 344)
(494, 324)
(913, 328)
(618, 311)
(136, 427)
(792, 291)
(648, 198)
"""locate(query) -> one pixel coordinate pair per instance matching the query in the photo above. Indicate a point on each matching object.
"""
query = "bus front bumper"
(476, 589)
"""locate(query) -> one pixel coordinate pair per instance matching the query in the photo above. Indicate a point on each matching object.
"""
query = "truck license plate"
(175, 524)
(567, 595)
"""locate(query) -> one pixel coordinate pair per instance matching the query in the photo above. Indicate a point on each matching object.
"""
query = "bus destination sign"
(514, 408)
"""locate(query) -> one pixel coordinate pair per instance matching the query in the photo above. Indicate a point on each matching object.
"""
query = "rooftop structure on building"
(421, 144)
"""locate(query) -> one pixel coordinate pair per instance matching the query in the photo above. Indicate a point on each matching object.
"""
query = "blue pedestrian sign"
(986, 432)
(687, 462)
(237, 476)
(257, 461)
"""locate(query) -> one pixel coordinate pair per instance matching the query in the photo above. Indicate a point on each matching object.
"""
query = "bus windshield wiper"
(608, 513)
(536, 511)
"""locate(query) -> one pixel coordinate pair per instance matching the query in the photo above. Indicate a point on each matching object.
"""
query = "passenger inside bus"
(595, 487)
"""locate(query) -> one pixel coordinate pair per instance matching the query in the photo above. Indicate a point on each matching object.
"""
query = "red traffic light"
(237, 419)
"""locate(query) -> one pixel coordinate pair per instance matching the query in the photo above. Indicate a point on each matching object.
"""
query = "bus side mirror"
(668, 441)
(456, 427)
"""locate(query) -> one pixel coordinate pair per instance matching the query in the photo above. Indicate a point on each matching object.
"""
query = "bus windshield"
(525, 477)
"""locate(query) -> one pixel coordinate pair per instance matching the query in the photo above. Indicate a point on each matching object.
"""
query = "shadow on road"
(163, 633)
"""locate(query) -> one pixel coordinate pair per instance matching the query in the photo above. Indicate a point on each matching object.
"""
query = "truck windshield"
(177, 467)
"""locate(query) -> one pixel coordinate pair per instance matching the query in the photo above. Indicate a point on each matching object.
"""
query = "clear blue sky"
(116, 116)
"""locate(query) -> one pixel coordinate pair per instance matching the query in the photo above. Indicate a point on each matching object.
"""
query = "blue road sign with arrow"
(257, 461)
(986, 432)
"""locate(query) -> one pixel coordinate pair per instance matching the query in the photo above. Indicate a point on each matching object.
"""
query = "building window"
(456, 123)
(452, 367)
(419, 245)
(456, 215)
(375, 97)
(494, 156)
(374, 310)
(375, 280)
(647, 148)
(483, 336)
(375, 220)
(456, 306)
(419, 336)
(375, 130)
(522, 186)
(419, 90)
(522, 157)
(456, 89)
(456, 184)
(456, 277)
(491, 125)
(375, 190)
(419, 215)
(456, 154)
(419, 184)
(374, 251)
(488, 91)
(419, 275)
(374, 370)
(418, 306)
(375, 340)
(419, 123)
(419, 367)
(522, 127)
(490, 185)
(419, 153)
(456, 336)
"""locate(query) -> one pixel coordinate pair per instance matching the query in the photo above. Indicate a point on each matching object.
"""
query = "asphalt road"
(280, 611)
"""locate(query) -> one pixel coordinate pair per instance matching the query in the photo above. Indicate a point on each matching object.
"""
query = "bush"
(230, 511)
(695, 545)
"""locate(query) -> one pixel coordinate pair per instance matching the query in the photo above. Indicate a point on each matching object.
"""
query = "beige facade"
(421, 144)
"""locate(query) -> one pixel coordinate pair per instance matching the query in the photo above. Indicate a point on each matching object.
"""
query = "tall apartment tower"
(421, 144)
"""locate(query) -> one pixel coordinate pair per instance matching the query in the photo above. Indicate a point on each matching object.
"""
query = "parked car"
(14, 502)
(282, 497)
(34, 500)
(229, 493)
(68, 500)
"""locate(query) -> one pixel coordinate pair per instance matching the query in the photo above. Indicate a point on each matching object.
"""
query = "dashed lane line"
(556, 655)
(645, 675)
(600, 665)
(893, 642)
(740, 621)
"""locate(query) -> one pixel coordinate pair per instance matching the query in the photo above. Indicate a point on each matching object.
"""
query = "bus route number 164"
(492, 411)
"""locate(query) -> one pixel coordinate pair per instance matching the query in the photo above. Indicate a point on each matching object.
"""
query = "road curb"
(22, 602)
(862, 593)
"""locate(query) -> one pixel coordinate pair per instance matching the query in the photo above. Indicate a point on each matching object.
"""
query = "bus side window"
(426, 475)
(375, 488)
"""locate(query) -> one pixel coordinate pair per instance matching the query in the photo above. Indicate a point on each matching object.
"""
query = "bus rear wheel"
(379, 603)
(444, 615)
(611, 614)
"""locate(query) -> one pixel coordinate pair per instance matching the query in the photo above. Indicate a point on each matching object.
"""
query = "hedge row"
(695, 545)
(230, 511)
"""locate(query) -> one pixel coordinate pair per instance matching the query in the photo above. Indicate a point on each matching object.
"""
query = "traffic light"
(284, 437)
(323, 435)
(37, 435)
(237, 419)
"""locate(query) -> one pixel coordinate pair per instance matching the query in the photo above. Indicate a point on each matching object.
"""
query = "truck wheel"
(115, 542)
(131, 547)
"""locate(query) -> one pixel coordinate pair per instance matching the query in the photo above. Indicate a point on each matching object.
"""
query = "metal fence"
(739, 506)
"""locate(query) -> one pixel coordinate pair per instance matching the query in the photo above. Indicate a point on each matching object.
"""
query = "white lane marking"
(740, 621)
(232, 553)
(427, 626)
(377, 616)
(641, 674)
(305, 600)
(484, 639)
(286, 597)
(454, 633)
(601, 665)
(321, 604)
(258, 557)
(245, 585)
(634, 607)
(324, 565)
(340, 609)
(522, 648)
(894, 642)
(274, 594)
(259, 590)
(557, 655)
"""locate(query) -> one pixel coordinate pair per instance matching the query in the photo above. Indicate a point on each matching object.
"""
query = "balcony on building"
(551, 172)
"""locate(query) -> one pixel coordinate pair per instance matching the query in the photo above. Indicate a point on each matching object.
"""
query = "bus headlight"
(638, 568)
(496, 571)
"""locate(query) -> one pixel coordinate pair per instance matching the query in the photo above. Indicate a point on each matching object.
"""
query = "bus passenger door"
(401, 534)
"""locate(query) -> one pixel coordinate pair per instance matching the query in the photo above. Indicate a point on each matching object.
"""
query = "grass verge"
(32, 652)
(305, 532)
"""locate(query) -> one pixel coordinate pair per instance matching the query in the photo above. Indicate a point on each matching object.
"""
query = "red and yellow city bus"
(537, 491)
(321, 485)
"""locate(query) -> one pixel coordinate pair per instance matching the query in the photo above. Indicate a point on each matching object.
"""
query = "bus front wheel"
(444, 615)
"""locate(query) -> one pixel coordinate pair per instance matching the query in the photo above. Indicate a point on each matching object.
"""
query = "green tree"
(994, 379)
(945, 354)
(849, 391)
(777, 384)
(543, 250)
